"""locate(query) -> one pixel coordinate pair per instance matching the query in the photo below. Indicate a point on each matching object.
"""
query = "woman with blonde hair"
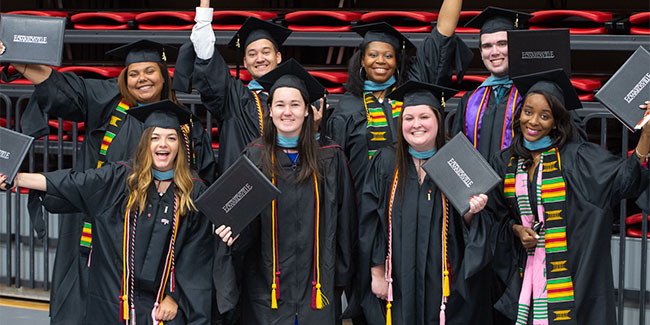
(110, 135)
(152, 249)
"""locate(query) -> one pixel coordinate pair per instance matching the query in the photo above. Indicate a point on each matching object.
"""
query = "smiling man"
(485, 114)
(238, 108)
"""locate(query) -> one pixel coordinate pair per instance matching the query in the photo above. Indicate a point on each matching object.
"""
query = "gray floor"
(23, 316)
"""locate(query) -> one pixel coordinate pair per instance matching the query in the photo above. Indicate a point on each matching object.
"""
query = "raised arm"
(202, 36)
(448, 17)
(36, 73)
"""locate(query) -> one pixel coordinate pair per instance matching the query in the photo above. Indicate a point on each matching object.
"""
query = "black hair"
(357, 76)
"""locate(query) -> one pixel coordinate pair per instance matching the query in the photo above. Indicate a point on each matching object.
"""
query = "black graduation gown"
(102, 193)
(491, 123)
(595, 181)
(92, 101)
(417, 272)
(295, 207)
(436, 57)
(227, 99)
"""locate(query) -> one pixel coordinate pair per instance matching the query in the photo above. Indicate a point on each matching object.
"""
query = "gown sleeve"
(437, 57)
(70, 97)
(346, 232)
(605, 179)
(90, 191)
(193, 270)
(458, 122)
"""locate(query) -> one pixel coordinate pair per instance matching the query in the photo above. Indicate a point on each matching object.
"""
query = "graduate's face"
(494, 53)
(536, 118)
(164, 148)
(261, 57)
(288, 111)
(420, 127)
(379, 61)
(144, 81)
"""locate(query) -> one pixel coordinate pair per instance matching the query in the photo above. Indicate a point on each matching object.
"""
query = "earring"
(361, 72)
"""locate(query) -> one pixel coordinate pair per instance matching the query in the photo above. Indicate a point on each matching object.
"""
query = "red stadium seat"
(585, 88)
(93, 72)
(403, 21)
(321, 21)
(332, 80)
(54, 137)
(469, 83)
(243, 74)
(466, 16)
(634, 223)
(102, 20)
(642, 22)
(40, 13)
(578, 21)
(233, 19)
(166, 20)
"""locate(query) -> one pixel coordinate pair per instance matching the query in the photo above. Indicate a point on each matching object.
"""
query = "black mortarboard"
(141, 51)
(419, 93)
(163, 114)
(493, 19)
(554, 82)
(383, 32)
(254, 29)
(292, 74)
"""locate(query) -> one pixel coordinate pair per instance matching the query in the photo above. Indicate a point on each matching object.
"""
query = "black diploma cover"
(238, 196)
(13, 148)
(461, 172)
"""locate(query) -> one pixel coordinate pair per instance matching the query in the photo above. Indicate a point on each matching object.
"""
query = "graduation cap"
(163, 114)
(419, 93)
(493, 19)
(254, 29)
(554, 82)
(141, 51)
(292, 74)
(383, 32)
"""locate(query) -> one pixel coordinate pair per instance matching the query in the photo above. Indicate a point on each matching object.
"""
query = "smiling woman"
(158, 252)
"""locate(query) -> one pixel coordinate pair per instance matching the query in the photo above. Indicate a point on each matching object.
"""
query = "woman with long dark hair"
(417, 252)
(152, 250)
(556, 204)
(297, 253)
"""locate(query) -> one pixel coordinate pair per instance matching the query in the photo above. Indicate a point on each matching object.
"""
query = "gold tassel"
(319, 297)
(389, 318)
(445, 285)
(274, 300)
(125, 307)
(237, 43)
(517, 21)
(443, 100)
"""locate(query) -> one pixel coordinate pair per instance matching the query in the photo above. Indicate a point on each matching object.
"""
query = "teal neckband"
(542, 143)
(287, 142)
(163, 176)
(423, 154)
(373, 86)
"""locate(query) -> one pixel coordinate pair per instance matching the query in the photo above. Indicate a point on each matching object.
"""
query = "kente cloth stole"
(379, 133)
(552, 291)
(116, 122)
(476, 106)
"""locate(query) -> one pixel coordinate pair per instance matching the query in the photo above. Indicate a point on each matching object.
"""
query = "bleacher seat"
(243, 74)
(585, 88)
(578, 21)
(466, 16)
(469, 83)
(403, 21)
(233, 19)
(634, 225)
(641, 23)
(40, 13)
(166, 20)
(103, 20)
(93, 72)
(332, 80)
(321, 20)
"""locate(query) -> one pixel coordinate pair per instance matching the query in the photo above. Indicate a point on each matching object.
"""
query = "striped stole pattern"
(379, 132)
(117, 119)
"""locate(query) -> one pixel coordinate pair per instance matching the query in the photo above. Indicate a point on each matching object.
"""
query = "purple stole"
(476, 105)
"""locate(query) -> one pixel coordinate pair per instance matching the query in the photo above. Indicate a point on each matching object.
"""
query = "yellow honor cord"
(389, 317)
(125, 302)
(274, 299)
